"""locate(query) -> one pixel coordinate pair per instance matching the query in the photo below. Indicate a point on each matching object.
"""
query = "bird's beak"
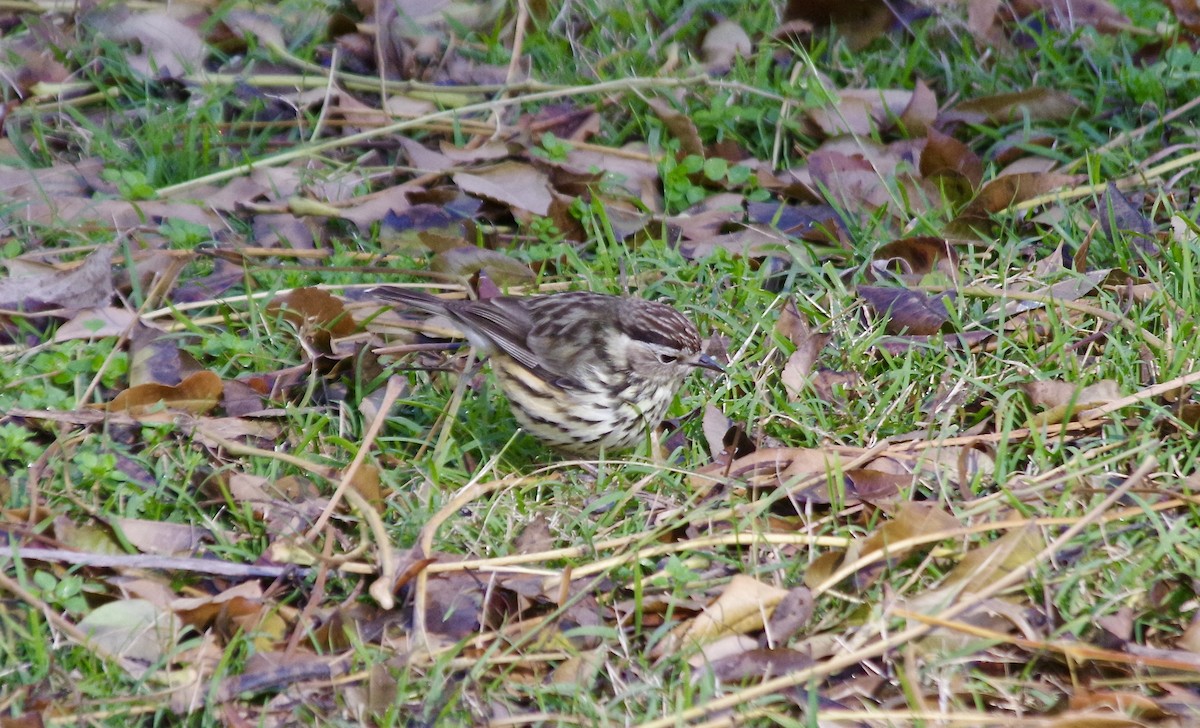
(705, 361)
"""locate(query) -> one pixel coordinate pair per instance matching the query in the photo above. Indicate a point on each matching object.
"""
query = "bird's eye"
(668, 358)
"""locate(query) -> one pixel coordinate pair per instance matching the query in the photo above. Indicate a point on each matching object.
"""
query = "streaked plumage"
(583, 372)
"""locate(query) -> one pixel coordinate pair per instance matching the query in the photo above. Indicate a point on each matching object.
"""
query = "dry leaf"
(906, 311)
(946, 157)
(913, 520)
(132, 628)
(1035, 104)
(465, 261)
(850, 182)
(169, 48)
(1187, 12)
(743, 607)
(1072, 14)
(515, 184)
(922, 110)
(160, 537)
(1062, 401)
(316, 314)
(861, 111)
(199, 393)
(97, 323)
(914, 258)
(724, 42)
(861, 21)
(790, 616)
(88, 284)
(680, 125)
(987, 564)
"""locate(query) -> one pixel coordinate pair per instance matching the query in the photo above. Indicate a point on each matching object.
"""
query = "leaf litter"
(800, 558)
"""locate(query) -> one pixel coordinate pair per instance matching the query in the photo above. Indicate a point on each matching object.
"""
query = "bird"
(586, 373)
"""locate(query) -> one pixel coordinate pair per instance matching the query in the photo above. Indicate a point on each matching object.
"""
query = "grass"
(642, 551)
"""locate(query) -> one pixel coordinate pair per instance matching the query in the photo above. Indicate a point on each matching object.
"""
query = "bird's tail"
(410, 298)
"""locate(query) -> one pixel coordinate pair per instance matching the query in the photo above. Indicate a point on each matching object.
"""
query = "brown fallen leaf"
(155, 357)
(238, 26)
(862, 111)
(1035, 104)
(579, 671)
(1187, 12)
(751, 241)
(198, 393)
(168, 46)
(792, 325)
(809, 344)
(922, 110)
(465, 261)
(822, 568)
(984, 23)
(859, 21)
(835, 386)
(945, 157)
(135, 629)
(1004, 192)
(1190, 639)
(367, 483)
(725, 41)
(515, 184)
(630, 168)
(874, 486)
(905, 311)
(913, 519)
(982, 566)
(96, 323)
(681, 126)
(914, 258)
(1063, 401)
(535, 536)
(851, 182)
(33, 58)
(772, 467)
(760, 664)
(317, 316)
(743, 607)
(160, 537)
(974, 571)
(88, 284)
(790, 616)
(1118, 215)
(715, 424)
(1016, 146)
(1072, 14)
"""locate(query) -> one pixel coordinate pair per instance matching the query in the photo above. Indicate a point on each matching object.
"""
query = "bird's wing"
(504, 322)
(569, 336)
(498, 323)
(534, 331)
